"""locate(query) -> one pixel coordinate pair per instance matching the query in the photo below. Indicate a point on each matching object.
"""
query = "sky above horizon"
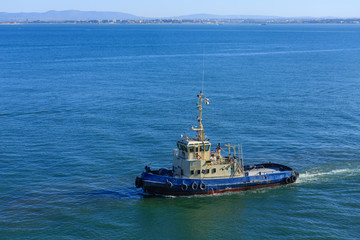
(168, 8)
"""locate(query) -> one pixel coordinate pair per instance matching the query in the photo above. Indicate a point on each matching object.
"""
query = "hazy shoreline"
(101, 17)
(194, 21)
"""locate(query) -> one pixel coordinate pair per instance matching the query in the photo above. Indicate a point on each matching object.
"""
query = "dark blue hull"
(162, 182)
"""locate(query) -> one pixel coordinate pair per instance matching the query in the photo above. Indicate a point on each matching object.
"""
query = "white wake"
(316, 175)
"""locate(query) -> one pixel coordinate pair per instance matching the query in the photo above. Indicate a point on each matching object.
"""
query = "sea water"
(83, 108)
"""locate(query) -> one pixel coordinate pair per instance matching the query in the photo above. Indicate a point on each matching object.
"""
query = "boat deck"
(262, 171)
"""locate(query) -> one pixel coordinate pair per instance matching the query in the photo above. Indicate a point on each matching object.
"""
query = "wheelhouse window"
(192, 172)
(207, 147)
(198, 171)
(207, 170)
(183, 148)
(213, 170)
(201, 148)
(191, 149)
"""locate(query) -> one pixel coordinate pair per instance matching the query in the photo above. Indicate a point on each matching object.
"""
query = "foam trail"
(216, 54)
(311, 176)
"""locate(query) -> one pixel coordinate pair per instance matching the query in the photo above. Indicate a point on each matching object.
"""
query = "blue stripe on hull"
(156, 184)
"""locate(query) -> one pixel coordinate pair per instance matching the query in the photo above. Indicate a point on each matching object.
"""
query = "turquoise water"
(83, 108)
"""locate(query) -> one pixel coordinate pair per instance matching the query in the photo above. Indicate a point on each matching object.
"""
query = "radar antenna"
(200, 128)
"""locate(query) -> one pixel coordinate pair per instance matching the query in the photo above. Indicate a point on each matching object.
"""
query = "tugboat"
(198, 170)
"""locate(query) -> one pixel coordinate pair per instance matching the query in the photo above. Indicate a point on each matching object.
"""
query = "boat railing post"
(239, 159)
(175, 153)
(242, 159)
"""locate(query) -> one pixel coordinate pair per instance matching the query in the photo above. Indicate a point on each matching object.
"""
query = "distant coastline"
(194, 21)
(95, 17)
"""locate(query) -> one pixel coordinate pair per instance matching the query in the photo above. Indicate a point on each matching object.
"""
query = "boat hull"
(154, 183)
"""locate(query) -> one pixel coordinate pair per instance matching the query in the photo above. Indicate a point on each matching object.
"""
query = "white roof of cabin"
(193, 142)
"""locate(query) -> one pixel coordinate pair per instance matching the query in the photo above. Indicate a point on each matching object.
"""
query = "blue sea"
(83, 108)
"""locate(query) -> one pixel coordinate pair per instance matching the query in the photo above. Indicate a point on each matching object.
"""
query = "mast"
(200, 128)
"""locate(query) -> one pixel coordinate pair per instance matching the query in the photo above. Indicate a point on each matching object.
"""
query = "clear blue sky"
(167, 8)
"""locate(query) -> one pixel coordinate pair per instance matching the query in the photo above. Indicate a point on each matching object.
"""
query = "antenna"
(203, 71)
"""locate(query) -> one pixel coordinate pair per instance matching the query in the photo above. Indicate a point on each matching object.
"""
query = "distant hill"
(75, 15)
(64, 16)
(213, 16)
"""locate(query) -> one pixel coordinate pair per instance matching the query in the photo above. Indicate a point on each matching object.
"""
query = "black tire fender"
(184, 187)
(287, 180)
(194, 186)
(138, 182)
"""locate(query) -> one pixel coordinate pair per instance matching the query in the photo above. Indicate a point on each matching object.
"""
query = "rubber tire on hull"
(184, 187)
(287, 180)
(202, 186)
(293, 178)
(138, 182)
(194, 186)
(169, 184)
